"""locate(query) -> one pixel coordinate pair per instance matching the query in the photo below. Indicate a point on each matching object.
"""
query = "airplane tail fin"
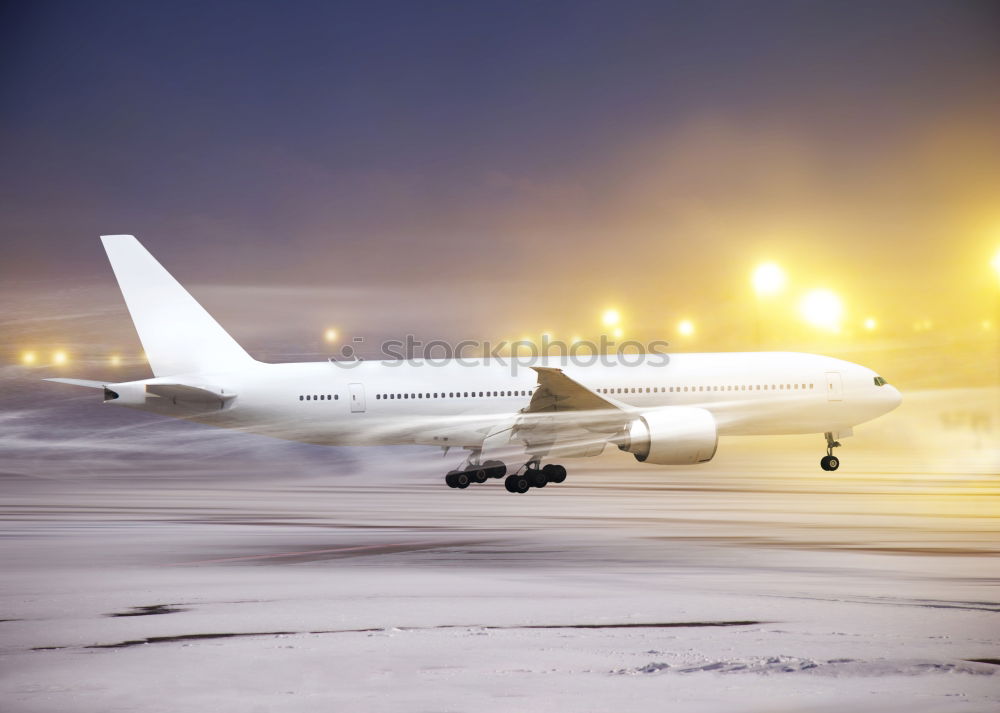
(178, 335)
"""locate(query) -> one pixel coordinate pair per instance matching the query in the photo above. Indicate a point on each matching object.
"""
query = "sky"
(495, 170)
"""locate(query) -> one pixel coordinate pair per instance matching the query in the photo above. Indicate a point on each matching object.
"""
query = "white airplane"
(670, 412)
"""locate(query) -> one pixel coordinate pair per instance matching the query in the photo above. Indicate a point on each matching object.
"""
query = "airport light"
(29, 358)
(611, 317)
(330, 335)
(871, 324)
(822, 308)
(768, 279)
(59, 357)
(618, 333)
(685, 328)
(115, 360)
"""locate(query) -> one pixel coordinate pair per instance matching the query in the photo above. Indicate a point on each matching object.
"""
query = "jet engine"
(674, 435)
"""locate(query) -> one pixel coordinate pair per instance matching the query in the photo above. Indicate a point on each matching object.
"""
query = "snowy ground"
(254, 581)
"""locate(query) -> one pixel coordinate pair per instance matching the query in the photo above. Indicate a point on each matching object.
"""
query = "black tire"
(522, 484)
(511, 483)
(829, 463)
(555, 473)
(449, 479)
(495, 468)
(462, 479)
(479, 474)
(537, 478)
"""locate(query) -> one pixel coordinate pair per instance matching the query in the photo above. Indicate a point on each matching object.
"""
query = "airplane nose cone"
(893, 397)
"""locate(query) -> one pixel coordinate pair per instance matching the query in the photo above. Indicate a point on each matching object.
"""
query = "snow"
(256, 583)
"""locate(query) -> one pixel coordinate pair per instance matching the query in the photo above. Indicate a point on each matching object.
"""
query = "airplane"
(667, 411)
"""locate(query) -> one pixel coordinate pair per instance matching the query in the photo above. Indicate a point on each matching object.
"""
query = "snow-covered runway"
(736, 587)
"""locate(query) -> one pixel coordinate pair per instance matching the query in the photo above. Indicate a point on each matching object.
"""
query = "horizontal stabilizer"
(80, 382)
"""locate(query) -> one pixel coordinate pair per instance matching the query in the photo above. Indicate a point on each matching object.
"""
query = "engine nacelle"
(129, 393)
(674, 435)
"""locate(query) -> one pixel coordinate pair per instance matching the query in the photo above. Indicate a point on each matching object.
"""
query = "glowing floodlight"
(871, 324)
(59, 357)
(29, 358)
(822, 308)
(330, 335)
(611, 317)
(685, 328)
(768, 279)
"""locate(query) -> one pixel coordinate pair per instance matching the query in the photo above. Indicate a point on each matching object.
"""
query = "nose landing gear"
(829, 461)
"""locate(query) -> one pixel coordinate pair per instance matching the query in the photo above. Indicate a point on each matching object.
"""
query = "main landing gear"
(830, 461)
(531, 476)
(534, 477)
(475, 474)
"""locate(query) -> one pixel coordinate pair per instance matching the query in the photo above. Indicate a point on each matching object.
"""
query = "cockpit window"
(879, 381)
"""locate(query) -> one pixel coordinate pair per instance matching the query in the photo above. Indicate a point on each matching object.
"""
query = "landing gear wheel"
(462, 479)
(516, 484)
(449, 479)
(537, 478)
(554, 473)
(495, 468)
(829, 462)
(479, 474)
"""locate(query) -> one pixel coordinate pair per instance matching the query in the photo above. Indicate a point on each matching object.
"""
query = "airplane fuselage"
(448, 402)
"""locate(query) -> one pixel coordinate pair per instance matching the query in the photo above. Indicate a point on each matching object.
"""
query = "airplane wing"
(563, 418)
(558, 392)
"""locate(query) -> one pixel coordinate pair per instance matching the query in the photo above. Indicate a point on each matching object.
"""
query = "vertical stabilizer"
(179, 336)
